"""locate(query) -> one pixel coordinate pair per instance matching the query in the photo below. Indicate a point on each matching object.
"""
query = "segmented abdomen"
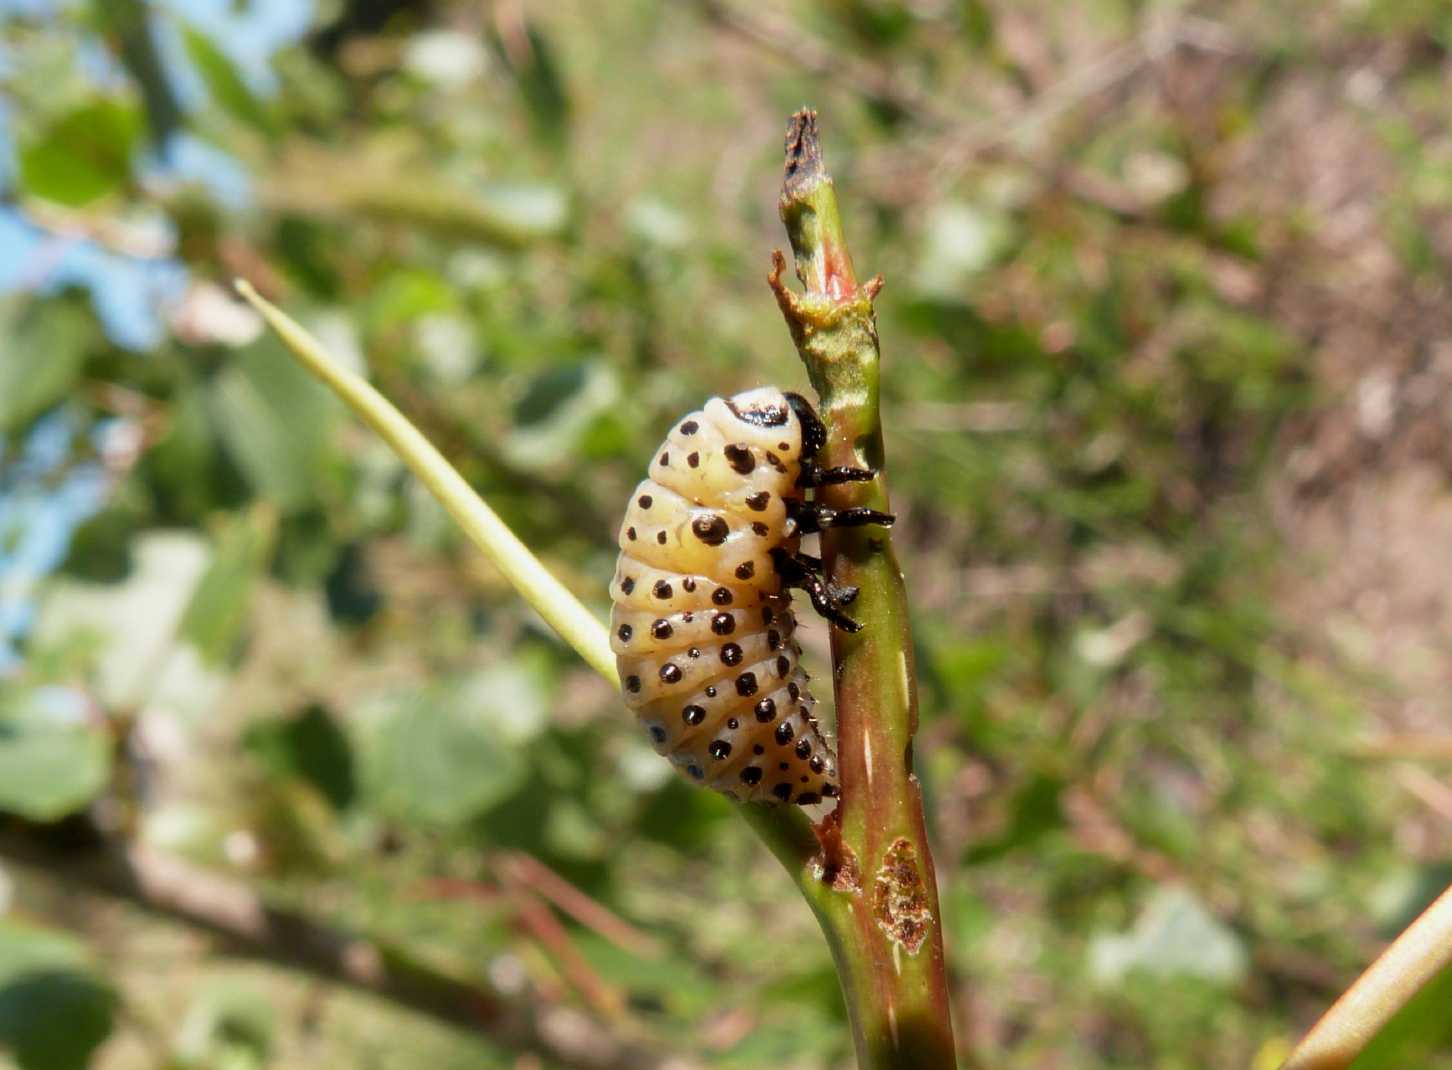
(702, 629)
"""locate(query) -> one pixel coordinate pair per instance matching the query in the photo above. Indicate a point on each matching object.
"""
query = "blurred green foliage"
(1109, 330)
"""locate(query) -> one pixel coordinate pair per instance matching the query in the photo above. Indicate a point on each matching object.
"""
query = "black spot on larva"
(661, 629)
(746, 684)
(745, 570)
(693, 714)
(758, 501)
(783, 666)
(733, 724)
(711, 692)
(670, 673)
(829, 790)
(782, 792)
(693, 459)
(817, 763)
(758, 528)
(767, 616)
(766, 710)
(627, 584)
(751, 775)
(758, 749)
(645, 501)
(804, 779)
(694, 652)
(710, 529)
(690, 427)
(690, 585)
(625, 632)
(719, 749)
(784, 766)
(657, 733)
(696, 771)
(630, 534)
(721, 596)
(723, 623)
(632, 684)
(806, 798)
(785, 447)
(665, 459)
(784, 733)
(804, 748)
(775, 461)
(731, 654)
(738, 456)
(662, 589)
(794, 691)
(660, 537)
(773, 639)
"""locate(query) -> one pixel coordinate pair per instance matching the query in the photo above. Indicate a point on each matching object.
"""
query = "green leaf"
(218, 609)
(1175, 936)
(54, 1010)
(454, 752)
(276, 421)
(557, 411)
(53, 758)
(223, 82)
(83, 155)
(310, 746)
(541, 84)
(45, 350)
(134, 622)
(228, 1026)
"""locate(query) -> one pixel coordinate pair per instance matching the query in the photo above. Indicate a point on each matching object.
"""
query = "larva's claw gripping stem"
(800, 571)
(812, 517)
(813, 475)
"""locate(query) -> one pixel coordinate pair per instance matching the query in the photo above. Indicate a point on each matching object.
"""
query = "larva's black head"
(756, 411)
(814, 432)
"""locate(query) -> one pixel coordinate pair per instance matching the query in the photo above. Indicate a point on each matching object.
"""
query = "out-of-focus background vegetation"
(1168, 378)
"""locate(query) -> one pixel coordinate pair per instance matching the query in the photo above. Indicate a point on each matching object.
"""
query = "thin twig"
(535, 918)
(593, 915)
(256, 927)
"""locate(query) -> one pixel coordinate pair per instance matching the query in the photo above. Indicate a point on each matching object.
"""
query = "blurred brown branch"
(254, 927)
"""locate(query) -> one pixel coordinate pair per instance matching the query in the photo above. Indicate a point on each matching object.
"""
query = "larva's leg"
(814, 475)
(811, 516)
(800, 571)
(839, 596)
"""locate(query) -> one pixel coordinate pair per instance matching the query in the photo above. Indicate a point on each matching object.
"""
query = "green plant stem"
(866, 872)
(872, 884)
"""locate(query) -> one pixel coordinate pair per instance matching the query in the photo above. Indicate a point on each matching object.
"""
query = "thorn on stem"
(786, 297)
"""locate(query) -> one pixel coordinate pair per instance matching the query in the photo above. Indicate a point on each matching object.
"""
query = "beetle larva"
(702, 625)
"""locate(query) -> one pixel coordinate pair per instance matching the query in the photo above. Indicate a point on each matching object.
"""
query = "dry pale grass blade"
(560, 609)
(1370, 1009)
